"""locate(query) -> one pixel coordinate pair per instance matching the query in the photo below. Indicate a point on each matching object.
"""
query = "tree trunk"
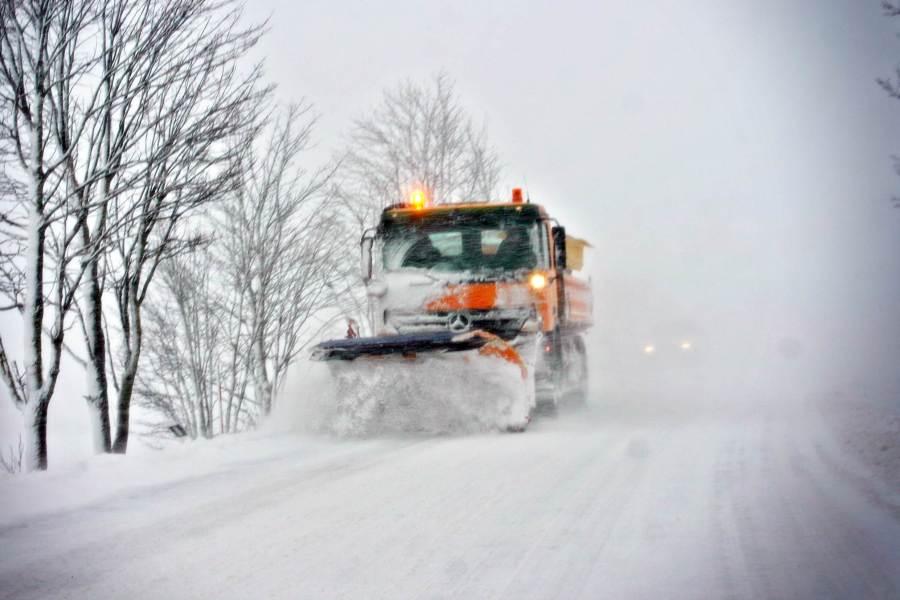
(97, 396)
(120, 446)
(97, 386)
(36, 434)
(35, 409)
(263, 386)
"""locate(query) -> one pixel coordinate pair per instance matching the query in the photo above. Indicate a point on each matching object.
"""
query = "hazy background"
(729, 161)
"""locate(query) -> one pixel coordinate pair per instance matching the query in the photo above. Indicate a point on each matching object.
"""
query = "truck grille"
(503, 322)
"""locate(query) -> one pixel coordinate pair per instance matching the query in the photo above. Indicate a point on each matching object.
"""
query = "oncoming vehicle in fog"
(672, 343)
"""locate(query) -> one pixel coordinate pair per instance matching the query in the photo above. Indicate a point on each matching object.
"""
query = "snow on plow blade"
(437, 382)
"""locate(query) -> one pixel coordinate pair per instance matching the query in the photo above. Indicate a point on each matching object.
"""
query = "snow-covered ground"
(619, 501)
(866, 422)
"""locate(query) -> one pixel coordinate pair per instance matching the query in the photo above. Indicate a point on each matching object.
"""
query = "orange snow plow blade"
(496, 346)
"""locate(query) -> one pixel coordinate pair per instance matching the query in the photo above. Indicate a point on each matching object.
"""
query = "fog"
(730, 164)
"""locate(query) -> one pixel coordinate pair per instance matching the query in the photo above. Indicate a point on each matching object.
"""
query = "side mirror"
(365, 258)
(559, 245)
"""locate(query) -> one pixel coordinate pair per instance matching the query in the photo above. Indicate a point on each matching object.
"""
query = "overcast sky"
(729, 160)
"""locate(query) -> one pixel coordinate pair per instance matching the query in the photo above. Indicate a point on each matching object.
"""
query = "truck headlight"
(537, 281)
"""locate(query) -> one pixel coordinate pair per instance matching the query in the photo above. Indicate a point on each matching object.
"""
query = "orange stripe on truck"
(485, 296)
(468, 296)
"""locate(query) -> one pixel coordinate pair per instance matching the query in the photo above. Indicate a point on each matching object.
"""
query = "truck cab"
(500, 268)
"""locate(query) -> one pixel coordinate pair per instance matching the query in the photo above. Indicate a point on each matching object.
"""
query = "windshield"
(459, 243)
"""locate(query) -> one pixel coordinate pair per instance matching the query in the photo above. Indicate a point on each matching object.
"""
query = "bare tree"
(219, 347)
(419, 135)
(132, 66)
(41, 59)
(191, 157)
(13, 200)
(140, 48)
(281, 243)
(122, 117)
(196, 373)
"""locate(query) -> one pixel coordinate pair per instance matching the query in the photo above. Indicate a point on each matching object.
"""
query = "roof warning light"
(417, 199)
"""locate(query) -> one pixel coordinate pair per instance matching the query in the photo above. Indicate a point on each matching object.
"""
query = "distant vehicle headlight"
(649, 349)
(686, 345)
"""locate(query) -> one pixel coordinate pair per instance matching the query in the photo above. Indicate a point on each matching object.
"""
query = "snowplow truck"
(485, 286)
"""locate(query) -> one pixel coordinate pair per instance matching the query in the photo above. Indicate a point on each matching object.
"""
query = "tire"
(519, 428)
(549, 407)
(553, 378)
(580, 376)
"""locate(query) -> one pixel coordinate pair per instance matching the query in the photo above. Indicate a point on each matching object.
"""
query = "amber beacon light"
(417, 199)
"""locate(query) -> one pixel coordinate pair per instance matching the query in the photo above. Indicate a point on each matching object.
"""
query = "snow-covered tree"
(196, 370)
(281, 243)
(190, 156)
(42, 59)
(120, 118)
(136, 48)
(219, 346)
(418, 136)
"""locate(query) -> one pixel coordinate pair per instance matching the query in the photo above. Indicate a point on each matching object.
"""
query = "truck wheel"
(519, 427)
(580, 373)
(549, 406)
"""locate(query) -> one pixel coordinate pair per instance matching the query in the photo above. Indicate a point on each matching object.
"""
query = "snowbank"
(866, 422)
(103, 477)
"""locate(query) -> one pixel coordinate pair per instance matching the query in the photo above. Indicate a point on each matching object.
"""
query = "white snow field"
(652, 501)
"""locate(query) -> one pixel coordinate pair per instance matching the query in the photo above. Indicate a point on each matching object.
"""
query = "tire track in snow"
(742, 507)
(135, 537)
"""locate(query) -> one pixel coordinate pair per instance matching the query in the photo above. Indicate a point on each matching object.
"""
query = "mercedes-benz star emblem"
(459, 322)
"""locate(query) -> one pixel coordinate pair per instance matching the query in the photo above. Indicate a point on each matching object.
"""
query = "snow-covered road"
(603, 504)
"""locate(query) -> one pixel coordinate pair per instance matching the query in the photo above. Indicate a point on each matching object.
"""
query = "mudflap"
(434, 383)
